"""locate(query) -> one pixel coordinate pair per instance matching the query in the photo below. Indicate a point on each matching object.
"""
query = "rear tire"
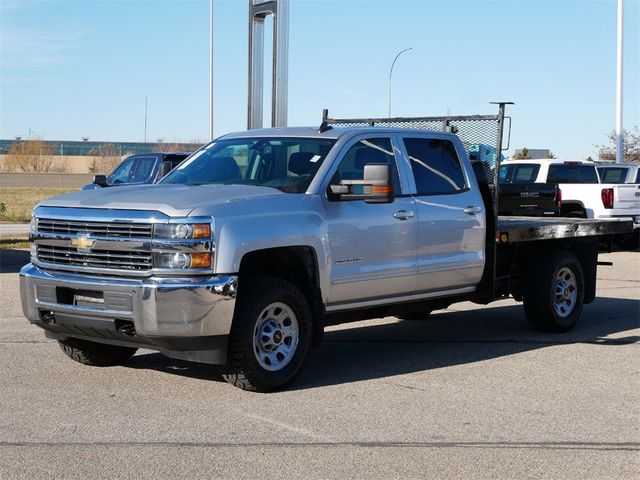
(554, 292)
(95, 354)
(270, 336)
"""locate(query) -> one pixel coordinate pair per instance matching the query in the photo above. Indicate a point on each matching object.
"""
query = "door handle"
(472, 210)
(404, 214)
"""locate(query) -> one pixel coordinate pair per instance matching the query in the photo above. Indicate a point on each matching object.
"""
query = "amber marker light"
(201, 260)
(202, 230)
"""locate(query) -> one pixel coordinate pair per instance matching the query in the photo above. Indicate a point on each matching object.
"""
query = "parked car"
(619, 173)
(244, 253)
(579, 191)
(139, 169)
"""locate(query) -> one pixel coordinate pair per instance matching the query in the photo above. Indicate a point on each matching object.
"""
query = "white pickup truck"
(581, 195)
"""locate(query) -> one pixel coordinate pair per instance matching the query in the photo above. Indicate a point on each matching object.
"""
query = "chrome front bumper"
(180, 317)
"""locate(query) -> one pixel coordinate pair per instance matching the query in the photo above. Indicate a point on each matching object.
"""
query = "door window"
(436, 166)
(143, 169)
(372, 150)
(122, 173)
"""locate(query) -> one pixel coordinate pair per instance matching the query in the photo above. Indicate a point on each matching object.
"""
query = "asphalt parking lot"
(470, 393)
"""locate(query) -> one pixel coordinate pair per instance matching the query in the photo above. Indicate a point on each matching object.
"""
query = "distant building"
(86, 148)
(535, 153)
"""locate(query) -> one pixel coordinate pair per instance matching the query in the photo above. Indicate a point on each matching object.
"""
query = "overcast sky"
(83, 68)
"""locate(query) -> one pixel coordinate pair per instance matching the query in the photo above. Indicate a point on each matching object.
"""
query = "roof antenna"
(324, 126)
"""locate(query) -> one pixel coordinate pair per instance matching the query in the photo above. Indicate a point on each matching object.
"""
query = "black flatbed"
(532, 229)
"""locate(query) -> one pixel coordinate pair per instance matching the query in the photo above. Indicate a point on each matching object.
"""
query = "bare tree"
(32, 156)
(630, 146)
(109, 158)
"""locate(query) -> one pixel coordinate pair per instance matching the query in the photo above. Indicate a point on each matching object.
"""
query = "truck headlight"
(182, 231)
(182, 261)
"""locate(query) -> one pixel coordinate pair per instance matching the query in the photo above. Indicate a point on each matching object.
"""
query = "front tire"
(554, 293)
(270, 336)
(95, 354)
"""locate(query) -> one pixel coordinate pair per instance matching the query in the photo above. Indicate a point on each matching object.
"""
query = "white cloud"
(22, 47)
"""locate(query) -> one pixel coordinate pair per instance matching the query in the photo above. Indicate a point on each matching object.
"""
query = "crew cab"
(138, 169)
(249, 248)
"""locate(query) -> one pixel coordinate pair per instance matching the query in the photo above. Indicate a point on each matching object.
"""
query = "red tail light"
(607, 197)
(558, 200)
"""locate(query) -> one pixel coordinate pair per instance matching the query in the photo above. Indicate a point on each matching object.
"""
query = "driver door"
(373, 246)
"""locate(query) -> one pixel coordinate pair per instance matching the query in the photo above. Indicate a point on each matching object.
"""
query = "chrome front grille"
(98, 229)
(106, 259)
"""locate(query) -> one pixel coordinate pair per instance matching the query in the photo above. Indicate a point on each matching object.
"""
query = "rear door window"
(572, 174)
(613, 175)
(588, 174)
(435, 165)
(525, 173)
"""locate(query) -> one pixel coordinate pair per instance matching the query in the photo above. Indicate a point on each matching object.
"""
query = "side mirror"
(100, 180)
(376, 187)
(165, 168)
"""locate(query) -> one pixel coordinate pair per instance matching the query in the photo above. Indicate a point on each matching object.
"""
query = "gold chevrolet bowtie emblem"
(83, 243)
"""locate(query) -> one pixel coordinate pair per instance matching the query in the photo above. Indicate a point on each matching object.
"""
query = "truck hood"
(172, 200)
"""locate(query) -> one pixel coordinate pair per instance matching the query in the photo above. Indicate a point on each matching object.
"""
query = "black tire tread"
(537, 305)
(95, 354)
(241, 369)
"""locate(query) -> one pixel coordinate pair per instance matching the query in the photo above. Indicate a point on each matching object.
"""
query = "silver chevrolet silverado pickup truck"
(251, 246)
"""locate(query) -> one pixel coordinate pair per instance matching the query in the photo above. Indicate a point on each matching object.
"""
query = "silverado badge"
(83, 244)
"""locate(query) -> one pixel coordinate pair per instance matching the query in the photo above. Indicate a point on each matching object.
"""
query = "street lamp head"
(391, 73)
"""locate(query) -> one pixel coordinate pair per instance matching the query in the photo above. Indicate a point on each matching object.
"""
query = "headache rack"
(481, 135)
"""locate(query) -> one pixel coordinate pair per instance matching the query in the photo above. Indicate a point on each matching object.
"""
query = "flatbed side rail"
(532, 229)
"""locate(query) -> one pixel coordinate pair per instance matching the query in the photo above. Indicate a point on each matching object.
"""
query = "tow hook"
(125, 327)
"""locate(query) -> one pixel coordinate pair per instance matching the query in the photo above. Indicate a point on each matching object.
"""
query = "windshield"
(287, 164)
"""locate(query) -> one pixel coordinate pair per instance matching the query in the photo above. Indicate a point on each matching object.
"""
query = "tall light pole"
(210, 70)
(619, 60)
(145, 119)
(391, 73)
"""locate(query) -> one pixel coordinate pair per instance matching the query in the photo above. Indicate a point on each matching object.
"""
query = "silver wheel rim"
(565, 292)
(275, 337)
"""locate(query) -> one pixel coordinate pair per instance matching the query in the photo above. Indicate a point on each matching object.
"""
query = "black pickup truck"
(521, 196)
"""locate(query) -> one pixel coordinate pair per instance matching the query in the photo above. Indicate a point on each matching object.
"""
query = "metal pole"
(145, 119)
(496, 186)
(280, 80)
(211, 70)
(391, 73)
(619, 62)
